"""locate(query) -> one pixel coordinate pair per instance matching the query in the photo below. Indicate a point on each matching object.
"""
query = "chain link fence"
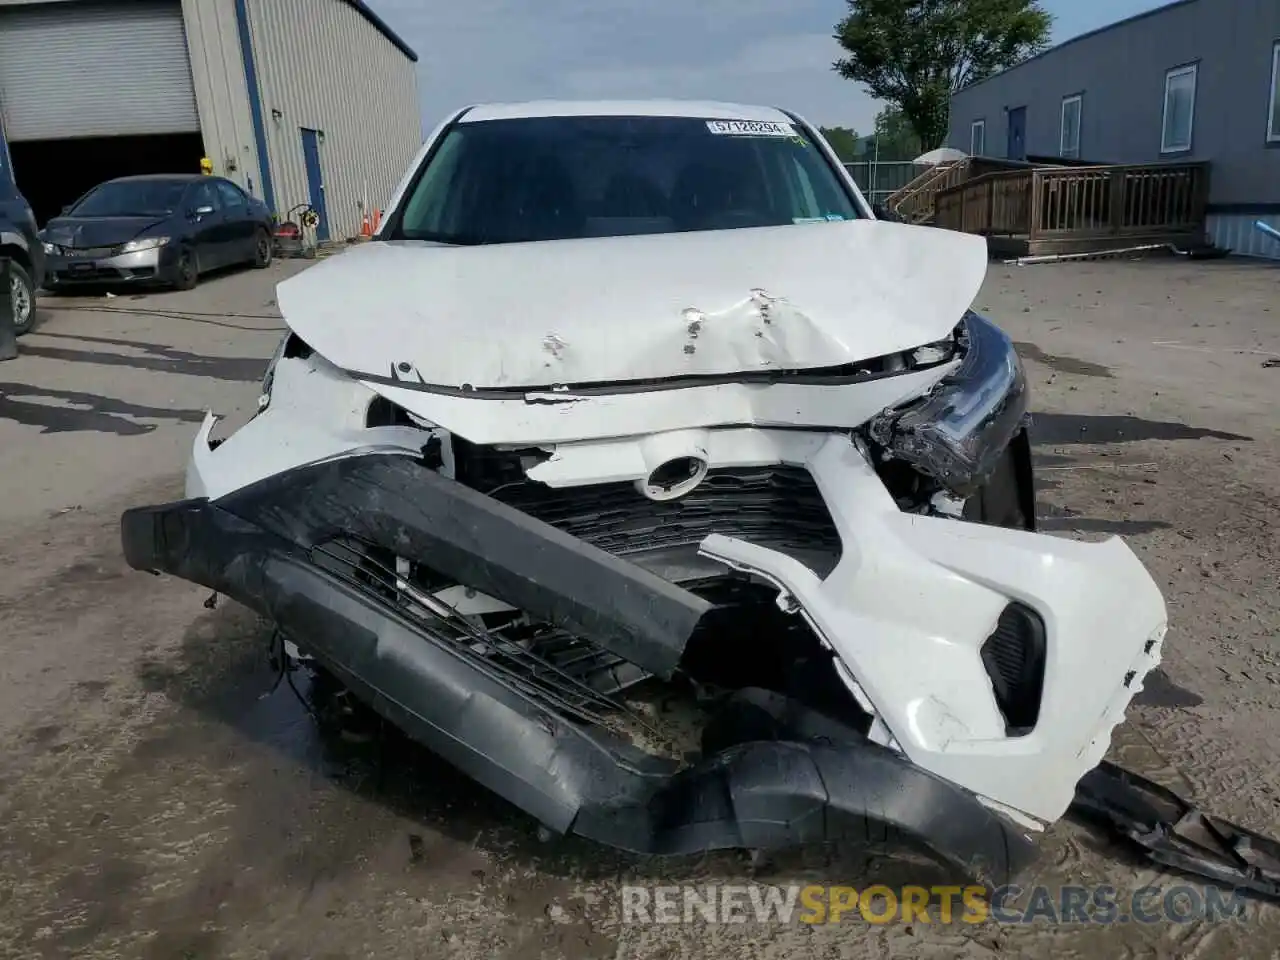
(879, 179)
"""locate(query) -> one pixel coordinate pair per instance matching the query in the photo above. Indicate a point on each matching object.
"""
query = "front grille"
(1014, 656)
(93, 273)
(90, 253)
(779, 508)
(572, 676)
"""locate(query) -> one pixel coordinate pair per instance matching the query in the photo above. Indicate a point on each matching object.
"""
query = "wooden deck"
(1062, 210)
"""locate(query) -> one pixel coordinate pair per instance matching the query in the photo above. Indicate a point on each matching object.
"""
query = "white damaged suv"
(636, 403)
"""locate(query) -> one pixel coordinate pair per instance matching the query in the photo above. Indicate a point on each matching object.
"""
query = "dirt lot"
(157, 801)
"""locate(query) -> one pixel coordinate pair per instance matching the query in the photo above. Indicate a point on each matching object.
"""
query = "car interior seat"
(547, 204)
(702, 194)
(633, 196)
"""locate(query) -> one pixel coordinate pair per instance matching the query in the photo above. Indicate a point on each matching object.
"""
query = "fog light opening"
(674, 478)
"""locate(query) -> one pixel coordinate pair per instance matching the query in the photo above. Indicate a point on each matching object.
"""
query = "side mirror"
(884, 213)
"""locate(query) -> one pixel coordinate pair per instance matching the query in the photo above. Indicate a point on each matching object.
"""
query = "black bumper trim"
(396, 503)
(750, 791)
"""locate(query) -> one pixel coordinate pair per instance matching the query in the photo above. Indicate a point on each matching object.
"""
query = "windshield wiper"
(452, 239)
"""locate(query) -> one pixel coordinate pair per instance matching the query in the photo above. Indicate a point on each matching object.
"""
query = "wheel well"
(15, 252)
(1025, 475)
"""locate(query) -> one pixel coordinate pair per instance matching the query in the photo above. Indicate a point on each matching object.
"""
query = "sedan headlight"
(957, 432)
(146, 243)
(49, 248)
(268, 378)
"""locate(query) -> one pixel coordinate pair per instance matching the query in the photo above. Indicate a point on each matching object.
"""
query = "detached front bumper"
(933, 616)
(812, 781)
(144, 266)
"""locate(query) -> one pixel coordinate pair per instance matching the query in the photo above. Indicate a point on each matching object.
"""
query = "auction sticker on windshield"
(751, 128)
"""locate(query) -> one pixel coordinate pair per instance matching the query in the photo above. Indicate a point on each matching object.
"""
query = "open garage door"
(94, 69)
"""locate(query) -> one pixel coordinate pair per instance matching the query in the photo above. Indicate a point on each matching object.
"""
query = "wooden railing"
(916, 202)
(1079, 203)
(995, 204)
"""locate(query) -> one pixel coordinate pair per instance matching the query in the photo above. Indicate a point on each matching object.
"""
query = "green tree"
(897, 138)
(913, 54)
(843, 140)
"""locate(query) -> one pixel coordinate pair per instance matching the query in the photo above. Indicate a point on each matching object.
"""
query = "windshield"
(559, 178)
(131, 198)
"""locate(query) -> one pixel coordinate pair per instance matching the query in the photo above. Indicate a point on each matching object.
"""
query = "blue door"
(1017, 148)
(315, 179)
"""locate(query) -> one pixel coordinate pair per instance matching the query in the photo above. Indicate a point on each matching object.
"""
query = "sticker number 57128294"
(751, 128)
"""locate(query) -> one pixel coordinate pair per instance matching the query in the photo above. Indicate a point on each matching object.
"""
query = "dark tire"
(186, 273)
(263, 250)
(23, 293)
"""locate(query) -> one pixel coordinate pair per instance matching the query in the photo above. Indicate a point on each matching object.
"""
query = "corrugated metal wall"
(94, 69)
(217, 70)
(322, 66)
(1236, 232)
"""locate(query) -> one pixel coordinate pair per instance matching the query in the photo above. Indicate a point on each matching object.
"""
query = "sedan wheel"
(262, 250)
(22, 295)
(187, 273)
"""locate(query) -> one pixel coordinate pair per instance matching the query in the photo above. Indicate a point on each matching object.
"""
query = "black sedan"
(156, 230)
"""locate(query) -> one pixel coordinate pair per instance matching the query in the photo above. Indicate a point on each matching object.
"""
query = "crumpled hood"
(648, 307)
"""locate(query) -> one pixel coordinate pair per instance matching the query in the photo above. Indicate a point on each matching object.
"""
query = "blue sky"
(759, 51)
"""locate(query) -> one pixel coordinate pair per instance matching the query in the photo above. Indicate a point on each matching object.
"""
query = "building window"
(1273, 119)
(978, 138)
(1069, 139)
(1179, 109)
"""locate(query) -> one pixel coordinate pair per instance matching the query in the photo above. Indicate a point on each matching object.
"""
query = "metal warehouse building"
(1193, 80)
(298, 101)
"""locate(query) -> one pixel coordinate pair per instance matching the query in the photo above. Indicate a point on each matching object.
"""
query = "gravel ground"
(157, 800)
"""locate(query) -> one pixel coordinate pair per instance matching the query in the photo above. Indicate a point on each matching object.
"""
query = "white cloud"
(758, 51)
(771, 51)
(786, 71)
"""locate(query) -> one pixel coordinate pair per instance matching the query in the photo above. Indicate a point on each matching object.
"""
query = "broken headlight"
(268, 378)
(957, 432)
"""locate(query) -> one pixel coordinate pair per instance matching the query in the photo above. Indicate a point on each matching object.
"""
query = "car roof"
(698, 109)
(162, 178)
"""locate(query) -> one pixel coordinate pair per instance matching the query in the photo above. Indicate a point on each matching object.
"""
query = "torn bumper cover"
(392, 502)
(258, 547)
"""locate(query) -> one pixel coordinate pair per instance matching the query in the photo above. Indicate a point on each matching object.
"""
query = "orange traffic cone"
(365, 231)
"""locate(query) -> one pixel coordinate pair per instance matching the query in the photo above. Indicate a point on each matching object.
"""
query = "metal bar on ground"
(1056, 257)
(1266, 228)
